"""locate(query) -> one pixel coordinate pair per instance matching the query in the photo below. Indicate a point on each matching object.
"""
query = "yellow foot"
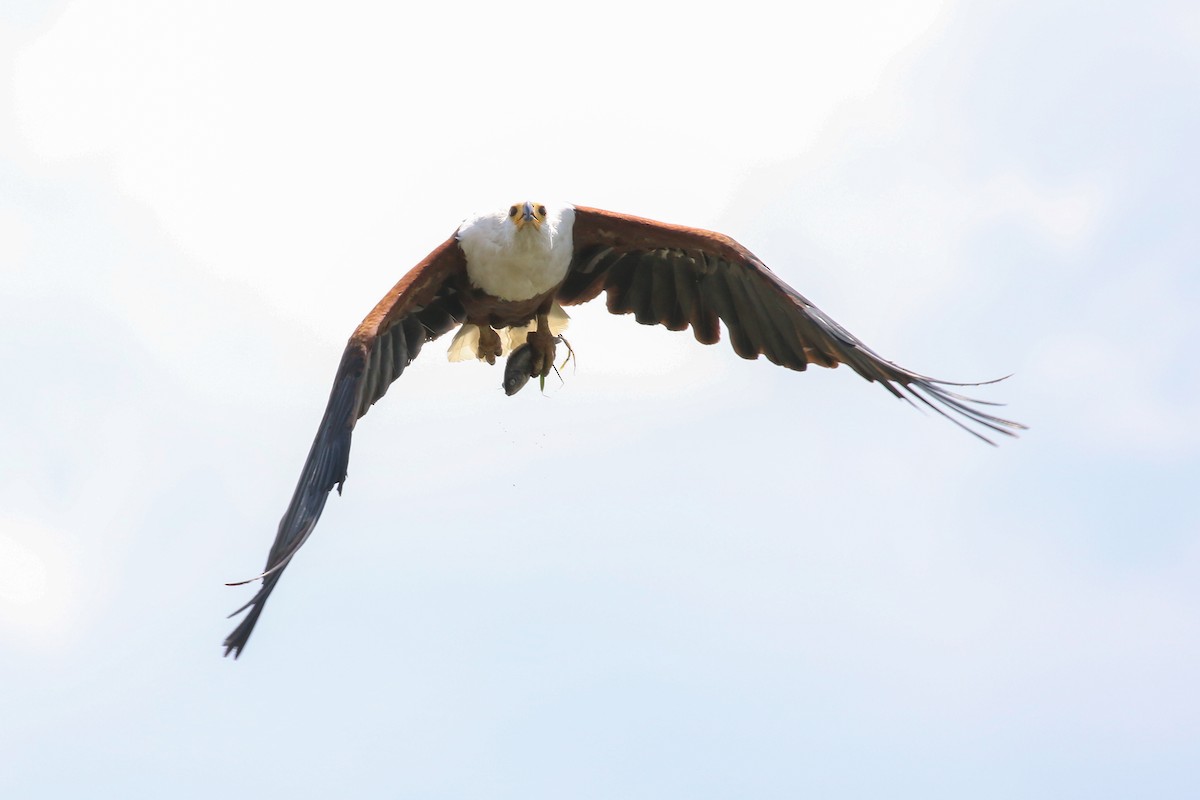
(541, 342)
(489, 344)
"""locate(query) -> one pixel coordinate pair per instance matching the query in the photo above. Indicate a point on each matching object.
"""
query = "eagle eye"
(541, 211)
(512, 211)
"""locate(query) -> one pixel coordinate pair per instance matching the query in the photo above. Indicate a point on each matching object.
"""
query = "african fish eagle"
(503, 278)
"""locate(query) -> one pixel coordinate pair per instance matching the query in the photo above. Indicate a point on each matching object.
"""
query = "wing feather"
(677, 276)
(619, 284)
(666, 301)
(684, 278)
(642, 291)
(420, 307)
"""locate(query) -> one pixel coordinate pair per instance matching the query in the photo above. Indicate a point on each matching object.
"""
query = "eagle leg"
(541, 341)
(489, 344)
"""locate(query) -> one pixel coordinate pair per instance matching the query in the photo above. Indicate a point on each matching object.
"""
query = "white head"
(520, 224)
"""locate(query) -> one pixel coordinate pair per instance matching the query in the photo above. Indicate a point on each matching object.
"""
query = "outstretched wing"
(678, 277)
(418, 309)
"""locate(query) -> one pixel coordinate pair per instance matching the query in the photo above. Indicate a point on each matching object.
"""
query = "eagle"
(502, 279)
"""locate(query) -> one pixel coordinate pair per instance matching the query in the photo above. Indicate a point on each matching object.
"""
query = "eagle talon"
(489, 345)
(523, 362)
(542, 343)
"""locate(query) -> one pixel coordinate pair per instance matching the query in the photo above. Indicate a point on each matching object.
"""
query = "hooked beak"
(528, 214)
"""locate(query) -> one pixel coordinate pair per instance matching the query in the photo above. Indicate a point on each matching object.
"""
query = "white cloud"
(1115, 367)
(39, 597)
(1067, 216)
(17, 235)
(24, 578)
(296, 145)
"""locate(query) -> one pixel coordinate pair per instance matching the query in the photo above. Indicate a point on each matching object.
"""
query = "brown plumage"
(663, 274)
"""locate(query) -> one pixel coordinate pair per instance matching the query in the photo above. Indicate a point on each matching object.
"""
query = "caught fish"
(518, 369)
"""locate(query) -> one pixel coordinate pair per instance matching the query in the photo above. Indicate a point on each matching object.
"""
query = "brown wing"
(418, 309)
(678, 277)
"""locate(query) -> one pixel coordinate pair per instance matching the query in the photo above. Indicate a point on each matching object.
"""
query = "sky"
(673, 573)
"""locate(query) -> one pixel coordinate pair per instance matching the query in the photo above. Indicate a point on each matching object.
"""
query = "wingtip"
(236, 641)
(960, 409)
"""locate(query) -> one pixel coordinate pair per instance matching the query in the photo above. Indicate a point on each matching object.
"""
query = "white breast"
(518, 264)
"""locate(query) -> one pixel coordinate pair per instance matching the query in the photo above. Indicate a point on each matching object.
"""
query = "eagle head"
(525, 213)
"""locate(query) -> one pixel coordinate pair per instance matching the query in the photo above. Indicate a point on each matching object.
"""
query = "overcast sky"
(675, 573)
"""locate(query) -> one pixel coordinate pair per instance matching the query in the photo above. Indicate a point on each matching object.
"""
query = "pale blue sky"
(680, 574)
